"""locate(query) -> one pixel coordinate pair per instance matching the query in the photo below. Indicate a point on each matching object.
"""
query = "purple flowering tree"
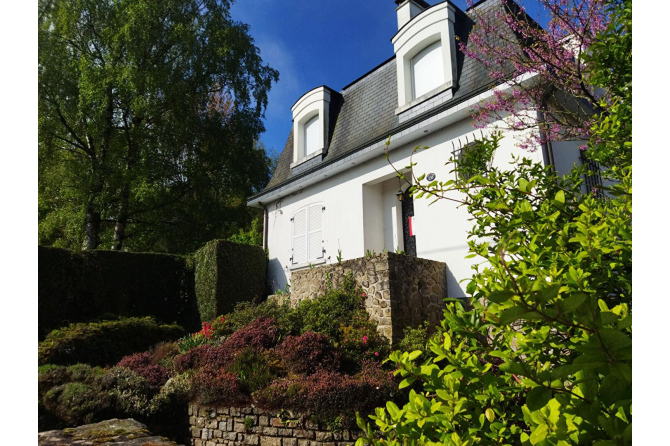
(543, 68)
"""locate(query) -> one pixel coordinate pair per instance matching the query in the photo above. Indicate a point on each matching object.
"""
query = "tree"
(566, 89)
(541, 352)
(148, 113)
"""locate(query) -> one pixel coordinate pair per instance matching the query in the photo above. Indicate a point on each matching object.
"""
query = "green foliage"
(542, 353)
(148, 116)
(104, 343)
(85, 286)
(227, 273)
(414, 338)
(253, 236)
(610, 62)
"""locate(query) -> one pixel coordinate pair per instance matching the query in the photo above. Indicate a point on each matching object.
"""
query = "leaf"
(406, 382)
(538, 397)
(538, 434)
(490, 415)
(559, 199)
(512, 314)
(573, 302)
(500, 296)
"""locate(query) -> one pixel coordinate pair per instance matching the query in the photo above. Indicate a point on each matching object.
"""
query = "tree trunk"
(121, 221)
(92, 227)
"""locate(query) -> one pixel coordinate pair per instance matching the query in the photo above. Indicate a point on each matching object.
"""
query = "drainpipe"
(547, 150)
(265, 225)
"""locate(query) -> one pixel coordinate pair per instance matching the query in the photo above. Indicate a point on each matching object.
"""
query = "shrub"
(141, 363)
(308, 352)
(279, 394)
(359, 340)
(543, 352)
(331, 394)
(247, 312)
(254, 369)
(326, 314)
(261, 334)
(104, 343)
(414, 338)
(213, 385)
(212, 355)
(78, 403)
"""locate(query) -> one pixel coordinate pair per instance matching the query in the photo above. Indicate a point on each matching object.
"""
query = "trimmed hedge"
(89, 285)
(85, 286)
(104, 343)
(226, 274)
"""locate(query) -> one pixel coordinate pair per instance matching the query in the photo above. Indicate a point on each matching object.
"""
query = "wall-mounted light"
(400, 193)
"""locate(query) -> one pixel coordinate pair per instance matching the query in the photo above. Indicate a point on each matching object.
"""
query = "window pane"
(427, 70)
(312, 135)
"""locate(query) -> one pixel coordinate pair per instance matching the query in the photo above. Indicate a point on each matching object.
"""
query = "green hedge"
(104, 343)
(227, 273)
(85, 286)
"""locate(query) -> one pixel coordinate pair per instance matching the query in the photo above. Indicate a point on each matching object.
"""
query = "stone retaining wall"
(251, 426)
(402, 290)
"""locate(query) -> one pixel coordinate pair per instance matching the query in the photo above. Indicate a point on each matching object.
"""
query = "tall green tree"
(148, 113)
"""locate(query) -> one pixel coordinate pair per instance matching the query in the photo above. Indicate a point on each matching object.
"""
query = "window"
(592, 178)
(473, 159)
(311, 135)
(427, 70)
(308, 234)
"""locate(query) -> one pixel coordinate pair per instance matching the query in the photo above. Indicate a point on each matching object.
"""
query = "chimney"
(408, 9)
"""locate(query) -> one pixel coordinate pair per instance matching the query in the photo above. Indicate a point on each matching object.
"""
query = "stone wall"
(252, 426)
(402, 290)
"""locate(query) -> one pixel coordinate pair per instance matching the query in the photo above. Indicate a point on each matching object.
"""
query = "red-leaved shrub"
(261, 334)
(140, 363)
(215, 385)
(217, 356)
(331, 394)
(278, 395)
(308, 352)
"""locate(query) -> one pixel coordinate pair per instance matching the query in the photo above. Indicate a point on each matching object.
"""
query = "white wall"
(360, 205)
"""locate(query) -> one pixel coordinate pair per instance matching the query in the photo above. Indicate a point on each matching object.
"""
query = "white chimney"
(408, 9)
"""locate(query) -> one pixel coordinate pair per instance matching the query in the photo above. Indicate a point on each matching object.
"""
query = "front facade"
(334, 196)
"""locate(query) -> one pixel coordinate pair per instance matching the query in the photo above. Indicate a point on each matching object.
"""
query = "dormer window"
(425, 49)
(311, 135)
(427, 70)
(310, 125)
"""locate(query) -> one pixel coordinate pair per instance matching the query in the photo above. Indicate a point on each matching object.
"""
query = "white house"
(334, 194)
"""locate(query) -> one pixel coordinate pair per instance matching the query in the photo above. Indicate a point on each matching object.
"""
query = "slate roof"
(365, 112)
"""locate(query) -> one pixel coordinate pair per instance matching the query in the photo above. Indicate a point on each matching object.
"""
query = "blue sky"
(313, 43)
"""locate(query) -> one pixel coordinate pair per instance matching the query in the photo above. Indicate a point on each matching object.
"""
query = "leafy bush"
(308, 352)
(78, 403)
(247, 312)
(141, 363)
(543, 352)
(359, 341)
(104, 343)
(213, 385)
(414, 339)
(261, 334)
(255, 370)
(213, 355)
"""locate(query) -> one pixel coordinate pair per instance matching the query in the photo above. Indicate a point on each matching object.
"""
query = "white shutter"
(312, 135)
(315, 232)
(427, 70)
(300, 236)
